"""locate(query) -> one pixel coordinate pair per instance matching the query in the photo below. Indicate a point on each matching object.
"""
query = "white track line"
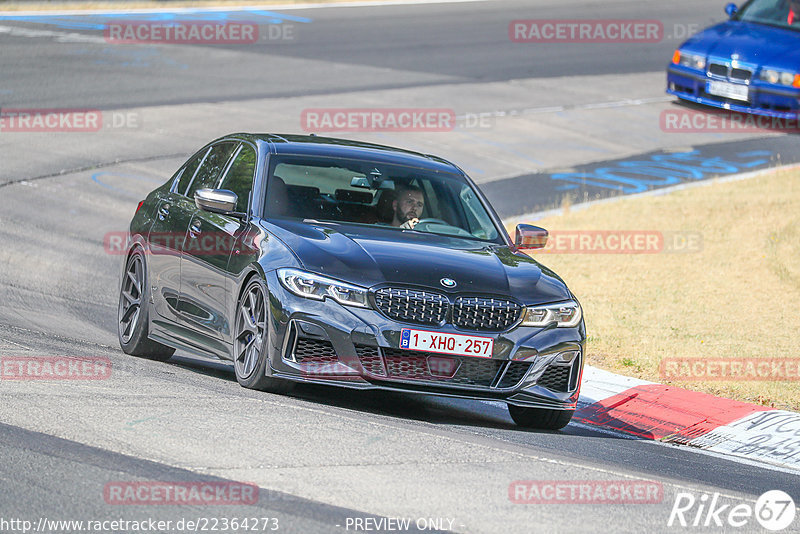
(558, 109)
(265, 7)
(61, 37)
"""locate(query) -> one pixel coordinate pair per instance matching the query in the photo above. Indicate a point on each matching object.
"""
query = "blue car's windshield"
(364, 192)
(780, 13)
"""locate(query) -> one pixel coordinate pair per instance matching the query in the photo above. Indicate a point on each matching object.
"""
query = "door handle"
(163, 212)
(195, 229)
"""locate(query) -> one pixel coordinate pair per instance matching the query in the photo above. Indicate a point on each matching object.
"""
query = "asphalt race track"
(535, 122)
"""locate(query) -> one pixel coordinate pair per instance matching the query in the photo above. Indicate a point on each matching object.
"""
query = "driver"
(407, 206)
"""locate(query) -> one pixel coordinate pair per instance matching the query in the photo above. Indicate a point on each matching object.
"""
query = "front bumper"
(324, 342)
(765, 99)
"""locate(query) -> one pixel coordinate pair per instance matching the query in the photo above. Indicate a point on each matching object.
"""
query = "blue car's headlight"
(685, 59)
(780, 77)
(314, 286)
(564, 314)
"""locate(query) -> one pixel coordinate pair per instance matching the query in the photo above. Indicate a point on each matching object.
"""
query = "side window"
(188, 171)
(481, 225)
(240, 176)
(208, 173)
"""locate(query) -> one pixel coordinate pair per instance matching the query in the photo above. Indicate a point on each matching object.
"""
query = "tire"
(133, 312)
(540, 418)
(251, 341)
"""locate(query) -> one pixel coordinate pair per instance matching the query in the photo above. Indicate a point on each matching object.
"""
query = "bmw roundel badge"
(448, 282)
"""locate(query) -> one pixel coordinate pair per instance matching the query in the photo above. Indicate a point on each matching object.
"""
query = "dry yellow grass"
(738, 297)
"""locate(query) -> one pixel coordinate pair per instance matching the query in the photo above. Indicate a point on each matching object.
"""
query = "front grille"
(429, 308)
(413, 365)
(371, 359)
(412, 306)
(730, 73)
(718, 70)
(514, 374)
(743, 75)
(556, 378)
(314, 351)
(477, 313)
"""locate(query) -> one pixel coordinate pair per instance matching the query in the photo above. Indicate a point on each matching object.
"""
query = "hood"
(368, 256)
(752, 44)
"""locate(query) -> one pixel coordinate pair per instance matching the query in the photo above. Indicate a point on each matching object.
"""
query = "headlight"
(564, 314)
(780, 77)
(314, 286)
(694, 61)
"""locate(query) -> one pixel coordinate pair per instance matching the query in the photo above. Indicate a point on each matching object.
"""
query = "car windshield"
(363, 192)
(772, 12)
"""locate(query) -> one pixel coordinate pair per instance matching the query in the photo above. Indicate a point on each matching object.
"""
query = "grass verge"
(735, 296)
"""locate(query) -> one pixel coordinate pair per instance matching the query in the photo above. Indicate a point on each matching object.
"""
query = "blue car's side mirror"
(731, 9)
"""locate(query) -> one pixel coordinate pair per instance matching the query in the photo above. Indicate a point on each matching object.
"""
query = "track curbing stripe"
(683, 417)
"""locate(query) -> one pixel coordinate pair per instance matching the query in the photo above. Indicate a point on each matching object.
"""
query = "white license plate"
(728, 90)
(425, 340)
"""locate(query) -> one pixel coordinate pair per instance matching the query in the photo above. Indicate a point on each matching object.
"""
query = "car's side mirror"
(530, 237)
(217, 201)
(731, 9)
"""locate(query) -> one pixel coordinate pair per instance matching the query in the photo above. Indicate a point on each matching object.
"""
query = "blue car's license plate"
(728, 90)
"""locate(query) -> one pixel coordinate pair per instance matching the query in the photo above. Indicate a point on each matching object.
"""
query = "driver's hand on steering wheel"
(410, 224)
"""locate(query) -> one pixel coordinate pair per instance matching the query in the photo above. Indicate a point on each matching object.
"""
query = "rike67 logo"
(774, 511)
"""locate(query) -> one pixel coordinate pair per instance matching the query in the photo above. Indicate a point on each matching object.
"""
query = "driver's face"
(409, 206)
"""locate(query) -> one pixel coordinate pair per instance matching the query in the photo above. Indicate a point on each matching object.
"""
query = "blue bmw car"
(751, 63)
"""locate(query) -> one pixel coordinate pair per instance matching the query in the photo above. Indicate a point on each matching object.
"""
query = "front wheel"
(540, 418)
(250, 346)
(133, 311)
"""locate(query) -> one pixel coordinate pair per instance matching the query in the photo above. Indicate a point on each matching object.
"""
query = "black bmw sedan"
(311, 259)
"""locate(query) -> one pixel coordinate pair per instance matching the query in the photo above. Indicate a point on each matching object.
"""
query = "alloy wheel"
(130, 302)
(251, 323)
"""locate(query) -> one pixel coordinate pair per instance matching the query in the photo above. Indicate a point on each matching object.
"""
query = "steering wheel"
(425, 222)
